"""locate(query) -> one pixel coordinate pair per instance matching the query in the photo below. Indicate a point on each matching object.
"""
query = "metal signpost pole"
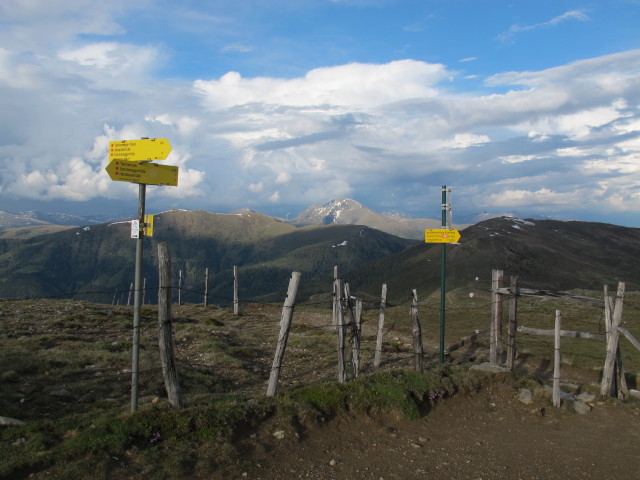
(443, 273)
(135, 360)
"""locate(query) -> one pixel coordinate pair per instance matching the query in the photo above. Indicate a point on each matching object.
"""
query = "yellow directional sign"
(139, 150)
(147, 173)
(148, 225)
(441, 235)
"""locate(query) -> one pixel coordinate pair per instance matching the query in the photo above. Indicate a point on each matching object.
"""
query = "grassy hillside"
(544, 254)
(101, 258)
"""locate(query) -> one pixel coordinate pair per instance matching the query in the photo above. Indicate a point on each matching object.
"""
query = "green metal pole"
(443, 274)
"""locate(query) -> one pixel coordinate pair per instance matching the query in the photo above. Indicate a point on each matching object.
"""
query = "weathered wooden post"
(165, 333)
(335, 296)
(418, 351)
(285, 326)
(341, 330)
(355, 346)
(608, 387)
(129, 297)
(144, 289)
(180, 287)
(495, 352)
(206, 287)
(513, 323)
(556, 362)
(383, 302)
(235, 290)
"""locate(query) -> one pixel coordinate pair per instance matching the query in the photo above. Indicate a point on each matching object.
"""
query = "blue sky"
(525, 107)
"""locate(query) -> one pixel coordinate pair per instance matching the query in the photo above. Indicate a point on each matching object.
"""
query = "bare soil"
(488, 435)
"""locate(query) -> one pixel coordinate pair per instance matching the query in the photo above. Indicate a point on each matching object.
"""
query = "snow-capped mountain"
(345, 211)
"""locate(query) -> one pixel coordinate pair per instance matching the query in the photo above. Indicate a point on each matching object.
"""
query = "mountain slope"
(544, 254)
(101, 258)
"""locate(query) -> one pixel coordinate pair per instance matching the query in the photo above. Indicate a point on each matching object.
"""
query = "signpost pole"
(443, 274)
(135, 360)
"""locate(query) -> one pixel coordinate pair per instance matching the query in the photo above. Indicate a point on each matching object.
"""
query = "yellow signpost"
(129, 161)
(441, 235)
(146, 173)
(139, 150)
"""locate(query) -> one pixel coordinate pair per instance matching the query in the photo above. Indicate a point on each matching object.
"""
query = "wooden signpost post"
(129, 161)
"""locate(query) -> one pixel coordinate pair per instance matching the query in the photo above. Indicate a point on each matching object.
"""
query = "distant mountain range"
(545, 254)
(342, 211)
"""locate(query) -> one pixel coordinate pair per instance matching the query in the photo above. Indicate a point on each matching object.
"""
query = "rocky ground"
(489, 435)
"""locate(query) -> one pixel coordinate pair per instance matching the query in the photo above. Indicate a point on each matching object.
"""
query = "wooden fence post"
(206, 287)
(340, 327)
(113, 302)
(165, 333)
(556, 362)
(513, 323)
(608, 387)
(335, 295)
(495, 351)
(180, 287)
(383, 302)
(235, 290)
(129, 297)
(144, 289)
(285, 325)
(355, 345)
(418, 351)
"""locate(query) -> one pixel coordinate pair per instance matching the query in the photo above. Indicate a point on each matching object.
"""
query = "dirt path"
(486, 436)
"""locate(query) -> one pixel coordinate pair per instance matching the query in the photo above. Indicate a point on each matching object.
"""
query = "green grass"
(163, 441)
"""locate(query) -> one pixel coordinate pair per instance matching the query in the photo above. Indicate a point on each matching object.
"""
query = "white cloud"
(570, 15)
(355, 84)
(528, 138)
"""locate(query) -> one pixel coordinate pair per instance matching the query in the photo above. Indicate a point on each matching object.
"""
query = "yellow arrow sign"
(147, 173)
(139, 150)
(441, 235)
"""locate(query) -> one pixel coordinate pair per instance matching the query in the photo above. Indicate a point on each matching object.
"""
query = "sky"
(524, 107)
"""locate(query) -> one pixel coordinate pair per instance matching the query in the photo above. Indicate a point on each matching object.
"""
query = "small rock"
(634, 393)
(10, 422)
(525, 396)
(423, 439)
(586, 397)
(279, 434)
(416, 445)
(333, 462)
(581, 407)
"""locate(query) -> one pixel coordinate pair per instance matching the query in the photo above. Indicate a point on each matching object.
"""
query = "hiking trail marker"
(130, 161)
(441, 235)
(139, 150)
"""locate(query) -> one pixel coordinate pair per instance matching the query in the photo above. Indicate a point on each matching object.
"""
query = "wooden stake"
(165, 330)
(180, 287)
(235, 290)
(129, 297)
(418, 351)
(206, 287)
(513, 321)
(607, 387)
(285, 326)
(495, 353)
(341, 331)
(383, 302)
(556, 363)
(355, 345)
